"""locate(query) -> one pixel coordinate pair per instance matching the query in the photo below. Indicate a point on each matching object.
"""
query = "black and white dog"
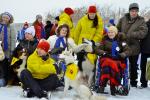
(75, 79)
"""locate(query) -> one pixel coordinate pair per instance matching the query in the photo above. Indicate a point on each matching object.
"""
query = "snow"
(15, 93)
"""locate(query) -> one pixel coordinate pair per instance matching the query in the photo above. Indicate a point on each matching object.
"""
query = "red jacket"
(39, 31)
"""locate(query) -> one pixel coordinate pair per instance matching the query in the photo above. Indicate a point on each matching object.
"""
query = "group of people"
(128, 38)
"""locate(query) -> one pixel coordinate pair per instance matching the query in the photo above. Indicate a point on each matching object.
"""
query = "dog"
(85, 66)
(18, 64)
(75, 79)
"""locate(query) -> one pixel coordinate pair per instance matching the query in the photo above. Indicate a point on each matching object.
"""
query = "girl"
(39, 27)
(7, 37)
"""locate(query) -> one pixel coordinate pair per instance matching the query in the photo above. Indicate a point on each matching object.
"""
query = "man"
(145, 53)
(40, 75)
(135, 28)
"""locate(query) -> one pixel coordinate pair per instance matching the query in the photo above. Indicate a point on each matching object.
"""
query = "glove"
(122, 55)
(57, 51)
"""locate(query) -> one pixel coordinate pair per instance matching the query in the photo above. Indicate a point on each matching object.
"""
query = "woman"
(66, 18)
(39, 28)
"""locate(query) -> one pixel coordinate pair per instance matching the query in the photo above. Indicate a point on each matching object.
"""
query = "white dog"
(76, 80)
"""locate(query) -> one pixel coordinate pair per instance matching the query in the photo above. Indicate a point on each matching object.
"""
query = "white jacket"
(52, 40)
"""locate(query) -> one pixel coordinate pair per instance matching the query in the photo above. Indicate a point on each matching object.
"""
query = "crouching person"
(40, 75)
(113, 51)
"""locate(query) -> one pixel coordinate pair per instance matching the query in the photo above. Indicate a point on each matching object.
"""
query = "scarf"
(5, 35)
(59, 41)
(114, 50)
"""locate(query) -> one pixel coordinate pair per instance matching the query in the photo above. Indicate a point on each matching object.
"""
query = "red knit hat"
(44, 45)
(92, 9)
(69, 11)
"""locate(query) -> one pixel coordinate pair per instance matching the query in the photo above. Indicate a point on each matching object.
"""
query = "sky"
(26, 10)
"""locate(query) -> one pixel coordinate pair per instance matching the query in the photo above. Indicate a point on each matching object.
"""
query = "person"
(89, 26)
(145, 53)
(61, 39)
(112, 50)
(39, 28)
(7, 37)
(29, 42)
(66, 18)
(135, 28)
(21, 35)
(54, 27)
(48, 28)
(40, 75)
(111, 22)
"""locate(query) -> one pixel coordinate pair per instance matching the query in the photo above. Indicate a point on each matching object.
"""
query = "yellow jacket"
(39, 68)
(84, 29)
(65, 19)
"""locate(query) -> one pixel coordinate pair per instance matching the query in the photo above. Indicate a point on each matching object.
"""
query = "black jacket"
(145, 48)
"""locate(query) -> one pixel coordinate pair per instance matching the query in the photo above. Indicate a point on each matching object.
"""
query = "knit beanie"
(69, 11)
(30, 30)
(44, 45)
(133, 6)
(113, 28)
(92, 9)
(7, 14)
(38, 16)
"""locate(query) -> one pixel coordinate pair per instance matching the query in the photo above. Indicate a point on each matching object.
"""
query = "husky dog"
(85, 65)
(75, 80)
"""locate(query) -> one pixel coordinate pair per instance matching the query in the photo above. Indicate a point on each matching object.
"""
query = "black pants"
(143, 68)
(4, 71)
(133, 69)
(38, 85)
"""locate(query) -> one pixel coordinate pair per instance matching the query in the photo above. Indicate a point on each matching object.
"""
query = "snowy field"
(15, 93)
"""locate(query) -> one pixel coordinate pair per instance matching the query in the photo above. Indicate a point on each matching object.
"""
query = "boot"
(113, 90)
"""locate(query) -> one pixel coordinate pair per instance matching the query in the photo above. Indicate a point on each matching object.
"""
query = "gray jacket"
(11, 40)
(135, 30)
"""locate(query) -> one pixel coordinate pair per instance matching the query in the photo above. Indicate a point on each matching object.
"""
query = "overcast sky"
(26, 10)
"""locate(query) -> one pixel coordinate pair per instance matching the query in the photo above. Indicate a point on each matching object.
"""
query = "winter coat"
(135, 30)
(39, 68)
(11, 40)
(29, 45)
(66, 19)
(145, 48)
(85, 29)
(52, 41)
(48, 28)
(21, 34)
(39, 31)
(105, 48)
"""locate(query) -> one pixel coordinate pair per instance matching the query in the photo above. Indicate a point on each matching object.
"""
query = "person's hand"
(122, 55)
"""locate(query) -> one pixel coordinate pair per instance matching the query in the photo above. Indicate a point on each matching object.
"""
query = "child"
(39, 28)
(7, 37)
(40, 75)
(113, 51)
(29, 42)
(21, 35)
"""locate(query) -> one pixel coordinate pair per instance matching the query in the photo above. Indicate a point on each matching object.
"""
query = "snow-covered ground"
(15, 93)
